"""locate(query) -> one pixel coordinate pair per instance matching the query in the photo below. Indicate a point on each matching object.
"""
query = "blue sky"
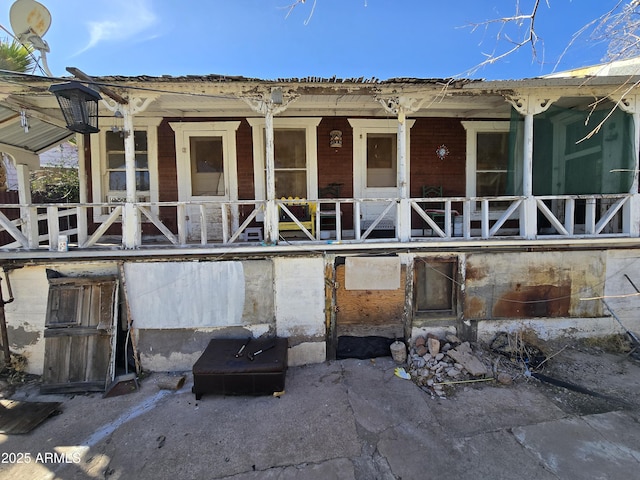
(345, 38)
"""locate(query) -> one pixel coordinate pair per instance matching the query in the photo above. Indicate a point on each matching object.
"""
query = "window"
(108, 170)
(116, 170)
(488, 169)
(492, 164)
(205, 156)
(382, 152)
(290, 159)
(207, 166)
(435, 287)
(295, 157)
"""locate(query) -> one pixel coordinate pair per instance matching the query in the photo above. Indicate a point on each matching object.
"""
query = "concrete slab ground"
(348, 419)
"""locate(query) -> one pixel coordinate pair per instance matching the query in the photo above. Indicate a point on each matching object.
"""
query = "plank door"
(80, 334)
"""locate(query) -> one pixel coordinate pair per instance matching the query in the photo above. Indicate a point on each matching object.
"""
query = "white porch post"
(30, 220)
(529, 105)
(270, 105)
(25, 161)
(271, 213)
(400, 106)
(631, 209)
(404, 210)
(131, 227)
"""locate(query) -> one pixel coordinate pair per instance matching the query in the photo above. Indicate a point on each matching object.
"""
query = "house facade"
(318, 209)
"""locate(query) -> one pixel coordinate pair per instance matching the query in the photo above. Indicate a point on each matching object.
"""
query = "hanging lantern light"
(79, 105)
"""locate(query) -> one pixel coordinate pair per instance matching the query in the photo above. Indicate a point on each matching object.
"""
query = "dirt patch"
(581, 377)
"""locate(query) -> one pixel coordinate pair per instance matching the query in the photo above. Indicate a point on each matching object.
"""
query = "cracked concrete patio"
(348, 419)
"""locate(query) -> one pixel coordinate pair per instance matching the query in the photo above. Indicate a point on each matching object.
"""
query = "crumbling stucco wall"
(26, 315)
(534, 285)
(622, 279)
(299, 296)
(228, 300)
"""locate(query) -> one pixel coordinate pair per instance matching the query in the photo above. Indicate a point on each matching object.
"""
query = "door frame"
(362, 127)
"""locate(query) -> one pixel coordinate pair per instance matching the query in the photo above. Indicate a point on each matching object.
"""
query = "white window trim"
(310, 124)
(183, 132)
(99, 162)
(473, 128)
(363, 126)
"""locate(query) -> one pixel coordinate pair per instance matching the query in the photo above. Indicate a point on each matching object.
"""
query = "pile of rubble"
(434, 363)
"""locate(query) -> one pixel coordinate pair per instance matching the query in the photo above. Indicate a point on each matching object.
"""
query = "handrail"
(224, 222)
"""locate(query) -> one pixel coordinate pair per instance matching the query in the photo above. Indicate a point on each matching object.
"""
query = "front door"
(375, 170)
(206, 160)
(379, 179)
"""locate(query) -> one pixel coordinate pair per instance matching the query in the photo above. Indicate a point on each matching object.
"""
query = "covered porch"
(143, 216)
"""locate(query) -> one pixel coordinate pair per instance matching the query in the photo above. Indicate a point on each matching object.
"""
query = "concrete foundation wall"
(623, 277)
(534, 285)
(26, 315)
(240, 304)
(299, 295)
(286, 296)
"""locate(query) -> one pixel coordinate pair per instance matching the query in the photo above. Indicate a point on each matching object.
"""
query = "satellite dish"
(29, 16)
(30, 20)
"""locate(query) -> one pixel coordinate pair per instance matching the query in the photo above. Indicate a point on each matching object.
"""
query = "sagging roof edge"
(355, 83)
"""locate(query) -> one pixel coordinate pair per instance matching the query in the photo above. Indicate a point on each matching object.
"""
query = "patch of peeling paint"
(19, 337)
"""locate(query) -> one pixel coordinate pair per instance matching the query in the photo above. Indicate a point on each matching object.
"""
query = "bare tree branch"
(518, 19)
(298, 2)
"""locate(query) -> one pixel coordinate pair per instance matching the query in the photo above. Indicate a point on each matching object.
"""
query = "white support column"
(401, 106)
(131, 226)
(270, 104)
(271, 211)
(404, 210)
(631, 210)
(29, 220)
(529, 105)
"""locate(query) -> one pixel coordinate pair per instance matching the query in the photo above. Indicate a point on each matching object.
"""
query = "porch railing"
(349, 220)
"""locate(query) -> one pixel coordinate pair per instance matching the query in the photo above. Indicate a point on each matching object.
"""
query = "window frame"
(184, 131)
(99, 170)
(362, 127)
(438, 314)
(310, 125)
(473, 128)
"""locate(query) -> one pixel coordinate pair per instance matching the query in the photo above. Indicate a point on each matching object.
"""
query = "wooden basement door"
(363, 313)
(80, 334)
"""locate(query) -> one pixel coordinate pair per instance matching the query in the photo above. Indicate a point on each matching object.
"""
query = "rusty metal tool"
(251, 356)
(242, 348)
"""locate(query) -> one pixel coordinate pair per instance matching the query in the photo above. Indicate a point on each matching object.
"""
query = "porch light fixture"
(79, 105)
(335, 138)
(276, 96)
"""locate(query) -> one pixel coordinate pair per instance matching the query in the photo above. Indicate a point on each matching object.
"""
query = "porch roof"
(221, 95)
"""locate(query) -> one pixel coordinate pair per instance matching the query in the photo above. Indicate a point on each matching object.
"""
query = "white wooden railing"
(336, 220)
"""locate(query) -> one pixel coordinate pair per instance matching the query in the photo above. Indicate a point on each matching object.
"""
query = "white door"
(375, 170)
(206, 159)
(379, 178)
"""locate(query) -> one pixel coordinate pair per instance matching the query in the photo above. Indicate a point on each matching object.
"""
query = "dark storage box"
(220, 372)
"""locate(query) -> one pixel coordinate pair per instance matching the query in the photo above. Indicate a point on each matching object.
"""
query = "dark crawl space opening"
(363, 347)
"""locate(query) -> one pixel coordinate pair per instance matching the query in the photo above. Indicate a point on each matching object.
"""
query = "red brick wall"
(244, 147)
(335, 165)
(426, 168)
